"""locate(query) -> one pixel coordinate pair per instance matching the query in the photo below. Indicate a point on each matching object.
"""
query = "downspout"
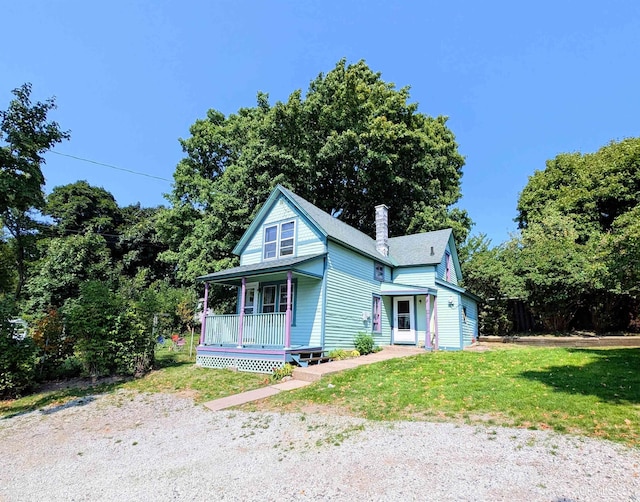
(204, 313)
(241, 321)
(287, 328)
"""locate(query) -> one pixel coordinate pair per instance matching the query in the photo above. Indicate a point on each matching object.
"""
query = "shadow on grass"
(613, 376)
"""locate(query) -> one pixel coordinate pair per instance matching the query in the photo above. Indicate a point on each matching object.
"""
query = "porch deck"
(250, 342)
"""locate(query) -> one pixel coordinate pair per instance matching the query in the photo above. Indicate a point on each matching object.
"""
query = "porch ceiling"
(265, 270)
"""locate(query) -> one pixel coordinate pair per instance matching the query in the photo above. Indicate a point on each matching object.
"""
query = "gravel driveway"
(150, 447)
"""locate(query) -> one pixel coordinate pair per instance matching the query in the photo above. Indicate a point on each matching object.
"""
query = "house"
(308, 282)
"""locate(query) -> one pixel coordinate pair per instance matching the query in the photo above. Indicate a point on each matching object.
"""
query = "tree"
(68, 262)
(579, 224)
(25, 136)
(352, 142)
(78, 208)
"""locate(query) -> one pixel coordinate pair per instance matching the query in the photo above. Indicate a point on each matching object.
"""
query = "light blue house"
(307, 282)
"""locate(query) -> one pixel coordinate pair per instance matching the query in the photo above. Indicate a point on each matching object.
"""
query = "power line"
(111, 166)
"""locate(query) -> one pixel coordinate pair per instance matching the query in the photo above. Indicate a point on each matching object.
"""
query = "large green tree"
(26, 135)
(352, 142)
(579, 224)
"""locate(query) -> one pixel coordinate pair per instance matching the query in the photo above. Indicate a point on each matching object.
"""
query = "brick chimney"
(382, 229)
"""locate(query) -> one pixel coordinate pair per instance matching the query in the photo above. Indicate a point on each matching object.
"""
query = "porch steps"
(304, 359)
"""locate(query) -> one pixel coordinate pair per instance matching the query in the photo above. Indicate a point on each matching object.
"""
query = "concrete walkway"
(305, 376)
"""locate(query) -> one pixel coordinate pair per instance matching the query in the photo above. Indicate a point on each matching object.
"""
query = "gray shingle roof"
(265, 266)
(406, 250)
(416, 249)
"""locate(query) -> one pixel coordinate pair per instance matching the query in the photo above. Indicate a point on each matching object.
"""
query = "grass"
(593, 392)
(175, 372)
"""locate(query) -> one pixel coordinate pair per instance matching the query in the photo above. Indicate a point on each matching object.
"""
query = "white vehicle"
(20, 328)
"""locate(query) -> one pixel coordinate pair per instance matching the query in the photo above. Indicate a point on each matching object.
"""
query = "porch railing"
(258, 329)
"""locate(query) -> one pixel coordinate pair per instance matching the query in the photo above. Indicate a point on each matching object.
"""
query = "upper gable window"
(448, 263)
(279, 240)
(378, 271)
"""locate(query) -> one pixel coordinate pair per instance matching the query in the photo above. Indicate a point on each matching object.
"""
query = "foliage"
(594, 392)
(17, 357)
(338, 354)
(55, 347)
(67, 263)
(78, 208)
(364, 343)
(113, 334)
(280, 373)
(354, 141)
(25, 135)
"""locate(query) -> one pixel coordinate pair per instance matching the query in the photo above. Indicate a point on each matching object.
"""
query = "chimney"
(382, 229)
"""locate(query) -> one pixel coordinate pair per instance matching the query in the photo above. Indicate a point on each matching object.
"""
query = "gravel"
(149, 447)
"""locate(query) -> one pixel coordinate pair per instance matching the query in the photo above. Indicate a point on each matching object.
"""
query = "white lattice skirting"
(249, 365)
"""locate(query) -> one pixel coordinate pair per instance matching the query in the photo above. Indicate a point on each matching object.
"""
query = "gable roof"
(403, 251)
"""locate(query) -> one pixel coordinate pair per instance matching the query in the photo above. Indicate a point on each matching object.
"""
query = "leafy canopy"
(352, 142)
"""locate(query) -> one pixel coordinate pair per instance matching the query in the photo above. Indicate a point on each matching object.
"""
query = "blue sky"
(520, 82)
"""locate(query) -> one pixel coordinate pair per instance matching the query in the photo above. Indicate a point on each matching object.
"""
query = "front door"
(403, 320)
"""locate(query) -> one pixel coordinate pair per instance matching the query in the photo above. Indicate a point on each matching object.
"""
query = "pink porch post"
(427, 340)
(204, 313)
(241, 321)
(435, 316)
(287, 327)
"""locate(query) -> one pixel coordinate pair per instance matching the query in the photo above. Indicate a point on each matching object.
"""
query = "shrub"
(55, 347)
(338, 354)
(17, 357)
(112, 331)
(280, 373)
(364, 343)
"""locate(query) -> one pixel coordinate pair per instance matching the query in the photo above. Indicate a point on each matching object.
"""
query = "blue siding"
(350, 288)
(308, 328)
(423, 276)
(470, 323)
(308, 241)
(448, 319)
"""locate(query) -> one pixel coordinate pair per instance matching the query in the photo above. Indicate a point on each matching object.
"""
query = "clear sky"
(519, 81)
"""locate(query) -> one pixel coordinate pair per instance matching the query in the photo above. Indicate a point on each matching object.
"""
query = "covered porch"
(259, 336)
(415, 314)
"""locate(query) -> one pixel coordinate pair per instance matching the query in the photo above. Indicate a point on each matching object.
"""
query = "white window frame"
(280, 249)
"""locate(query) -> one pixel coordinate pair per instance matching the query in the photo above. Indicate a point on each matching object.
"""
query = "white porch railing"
(258, 329)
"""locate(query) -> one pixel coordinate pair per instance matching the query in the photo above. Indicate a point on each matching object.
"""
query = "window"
(268, 299)
(378, 271)
(286, 238)
(464, 313)
(279, 240)
(282, 300)
(447, 258)
(376, 324)
(270, 242)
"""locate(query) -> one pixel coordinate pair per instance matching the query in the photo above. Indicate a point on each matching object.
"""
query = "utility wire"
(110, 166)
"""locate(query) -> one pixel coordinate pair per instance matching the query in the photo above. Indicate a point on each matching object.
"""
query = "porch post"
(287, 327)
(243, 290)
(427, 339)
(435, 315)
(203, 328)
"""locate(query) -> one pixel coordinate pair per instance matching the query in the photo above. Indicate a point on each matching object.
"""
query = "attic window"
(279, 240)
(447, 258)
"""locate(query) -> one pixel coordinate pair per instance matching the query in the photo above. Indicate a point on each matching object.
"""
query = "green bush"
(17, 357)
(54, 347)
(280, 373)
(338, 354)
(364, 343)
(112, 330)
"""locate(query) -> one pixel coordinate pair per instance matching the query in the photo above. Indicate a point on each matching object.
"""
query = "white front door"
(403, 320)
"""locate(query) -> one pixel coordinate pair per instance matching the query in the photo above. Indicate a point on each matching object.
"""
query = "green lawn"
(594, 392)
